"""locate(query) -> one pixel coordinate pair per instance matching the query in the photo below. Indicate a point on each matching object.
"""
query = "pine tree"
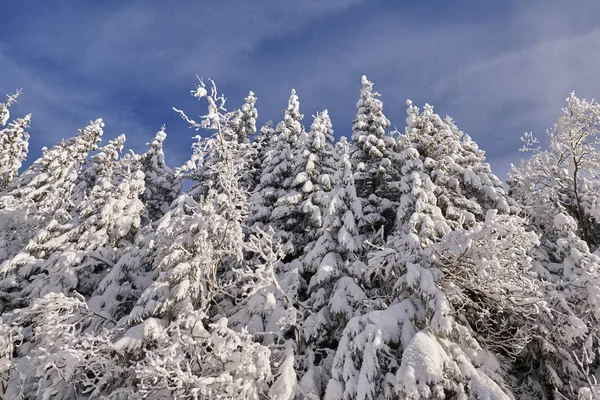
(162, 184)
(562, 356)
(97, 166)
(14, 146)
(237, 124)
(371, 156)
(197, 235)
(329, 265)
(196, 240)
(277, 175)
(118, 291)
(298, 212)
(416, 347)
(78, 247)
(466, 187)
(245, 127)
(4, 112)
(45, 187)
(262, 146)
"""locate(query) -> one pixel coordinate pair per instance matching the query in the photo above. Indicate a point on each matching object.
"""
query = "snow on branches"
(300, 265)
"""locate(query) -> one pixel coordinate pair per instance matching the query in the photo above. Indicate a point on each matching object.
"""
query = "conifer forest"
(289, 262)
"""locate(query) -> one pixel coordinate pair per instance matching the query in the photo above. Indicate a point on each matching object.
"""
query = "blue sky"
(499, 68)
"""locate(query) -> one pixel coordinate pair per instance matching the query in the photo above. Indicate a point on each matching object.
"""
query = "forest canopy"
(298, 263)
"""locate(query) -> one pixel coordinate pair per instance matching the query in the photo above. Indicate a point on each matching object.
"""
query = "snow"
(298, 265)
(150, 329)
(285, 384)
(424, 364)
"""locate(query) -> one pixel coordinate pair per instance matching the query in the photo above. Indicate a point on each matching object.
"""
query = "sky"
(499, 68)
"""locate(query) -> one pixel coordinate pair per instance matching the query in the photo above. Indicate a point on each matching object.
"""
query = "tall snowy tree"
(277, 175)
(558, 188)
(465, 186)
(99, 165)
(417, 347)
(200, 232)
(298, 211)
(162, 183)
(262, 147)
(371, 156)
(238, 124)
(14, 145)
(330, 265)
(197, 238)
(244, 123)
(46, 186)
(78, 247)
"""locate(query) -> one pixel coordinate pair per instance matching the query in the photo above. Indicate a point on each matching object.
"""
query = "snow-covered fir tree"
(237, 125)
(371, 155)
(277, 177)
(245, 120)
(404, 276)
(198, 243)
(299, 210)
(14, 146)
(43, 188)
(80, 244)
(465, 186)
(4, 111)
(198, 235)
(262, 147)
(161, 182)
(330, 266)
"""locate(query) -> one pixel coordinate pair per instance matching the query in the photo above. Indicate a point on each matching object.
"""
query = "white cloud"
(497, 78)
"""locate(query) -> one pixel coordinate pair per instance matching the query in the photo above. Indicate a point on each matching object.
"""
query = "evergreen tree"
(417, 347)
(298, 212)
(371, 156)
(131, 274)
(562, 356)
(465, 185)
(97, 166)
(233, 131)
(14, 146)
(4, 112)
(245, 121)
(45, 187)
(196, 239)
(162, 184)
(78, 247)
(277, 176)
(202, 229)
(330, 266)
(262, 147)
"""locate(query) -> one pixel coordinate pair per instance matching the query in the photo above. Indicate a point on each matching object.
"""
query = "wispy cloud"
(500, 69)
(130, 63)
